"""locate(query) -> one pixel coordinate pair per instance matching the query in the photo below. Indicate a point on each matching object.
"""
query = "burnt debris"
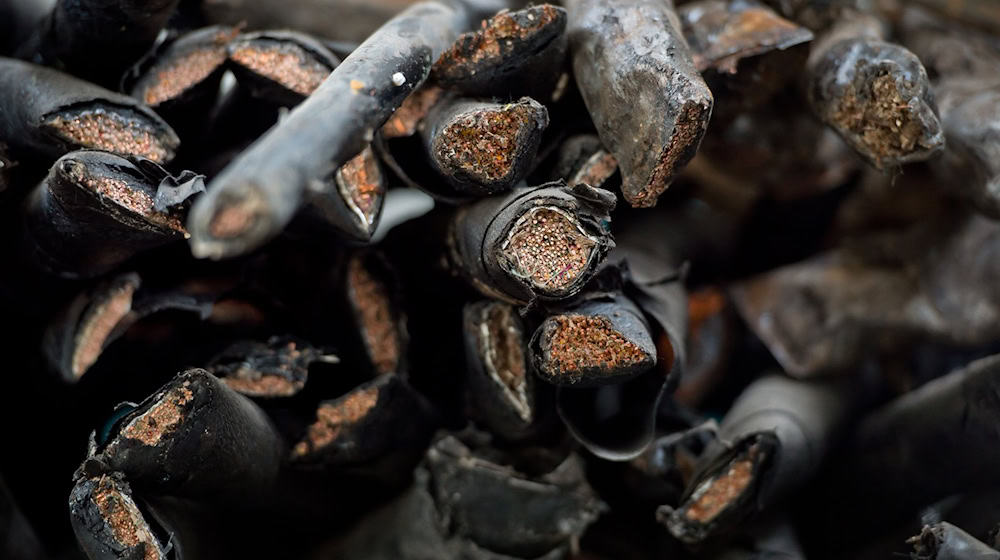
(494, 280)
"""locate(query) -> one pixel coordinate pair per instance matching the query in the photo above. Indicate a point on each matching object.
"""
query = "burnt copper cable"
(745, 51)
(626, 81)
(518, 52)
(583, 159)
(542, 242)
(500, 388)
(186, 72)
(349, 202)
(617, 421)
(771, 442)
(483, 148)
(371, 290)
(283, 66)
(95, 210)
(944, 541)
(277, 368)
(604, 340)
(108, 522)
(257, 194)
(874, 93)
(48, 113)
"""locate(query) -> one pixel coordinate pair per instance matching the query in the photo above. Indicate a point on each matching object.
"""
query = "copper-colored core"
(501, 347)
(879, 116)
(495, 36)
(286, 63)
(161, 418)
(331, 418)
(703, 304)
(688, 130)
(373, 310)
(596, 170)
(250, 381)
(359, 182)
(547, 248)
(713, 496)
(109, 131)
(236, 217)
(573, 343)
(182, 73)
(413, 110)
(261, 385)
(128, 527)
(97, 325)
(484, 143)
(236, 312)
(124, 194)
